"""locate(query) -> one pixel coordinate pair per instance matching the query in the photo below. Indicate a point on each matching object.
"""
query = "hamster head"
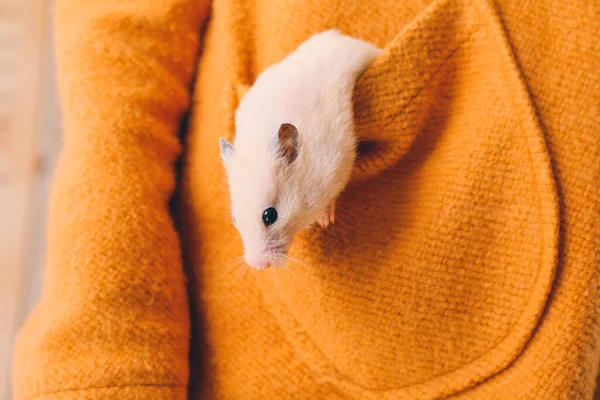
(268, 205)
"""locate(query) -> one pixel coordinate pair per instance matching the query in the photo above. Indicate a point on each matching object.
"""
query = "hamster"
(294, 146)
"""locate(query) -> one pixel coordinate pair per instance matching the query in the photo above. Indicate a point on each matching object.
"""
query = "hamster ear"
(227, 149)
(288, 142)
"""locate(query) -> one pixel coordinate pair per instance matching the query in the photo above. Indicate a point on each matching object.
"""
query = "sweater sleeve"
(113, 317)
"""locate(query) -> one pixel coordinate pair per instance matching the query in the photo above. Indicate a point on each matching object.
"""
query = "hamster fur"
(294, 147)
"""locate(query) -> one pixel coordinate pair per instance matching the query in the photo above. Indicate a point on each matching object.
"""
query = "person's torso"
(440, 263)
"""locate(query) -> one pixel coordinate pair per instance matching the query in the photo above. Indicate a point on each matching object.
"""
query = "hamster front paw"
(328, 216)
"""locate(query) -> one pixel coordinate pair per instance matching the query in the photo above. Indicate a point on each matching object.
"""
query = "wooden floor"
(29, 143)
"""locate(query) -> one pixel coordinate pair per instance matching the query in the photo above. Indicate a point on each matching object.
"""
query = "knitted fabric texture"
(464, 261)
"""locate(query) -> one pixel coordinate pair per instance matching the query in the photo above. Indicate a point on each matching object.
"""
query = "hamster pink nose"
(263, 264)
(258, 263)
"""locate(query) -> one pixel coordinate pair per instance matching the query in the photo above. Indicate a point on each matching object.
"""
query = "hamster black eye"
(269, 216)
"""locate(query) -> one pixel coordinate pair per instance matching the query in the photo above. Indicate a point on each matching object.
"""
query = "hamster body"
(295, 146)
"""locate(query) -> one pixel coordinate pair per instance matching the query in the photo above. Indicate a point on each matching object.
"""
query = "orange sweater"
(464, 261)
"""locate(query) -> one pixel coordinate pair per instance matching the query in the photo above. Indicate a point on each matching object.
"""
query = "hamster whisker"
(275, 277)
(287, 269)
(242, 270)
(234, 263)
(293, 260)
(234, 260)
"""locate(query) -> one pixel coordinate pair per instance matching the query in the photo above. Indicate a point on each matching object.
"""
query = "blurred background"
(30, 140)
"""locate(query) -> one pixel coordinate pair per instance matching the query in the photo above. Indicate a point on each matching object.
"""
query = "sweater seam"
(133, 385)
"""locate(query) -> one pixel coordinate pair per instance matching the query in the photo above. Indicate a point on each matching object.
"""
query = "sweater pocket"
(439, 267)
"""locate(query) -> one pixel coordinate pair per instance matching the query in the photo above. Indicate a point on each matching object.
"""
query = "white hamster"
(294, 146)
